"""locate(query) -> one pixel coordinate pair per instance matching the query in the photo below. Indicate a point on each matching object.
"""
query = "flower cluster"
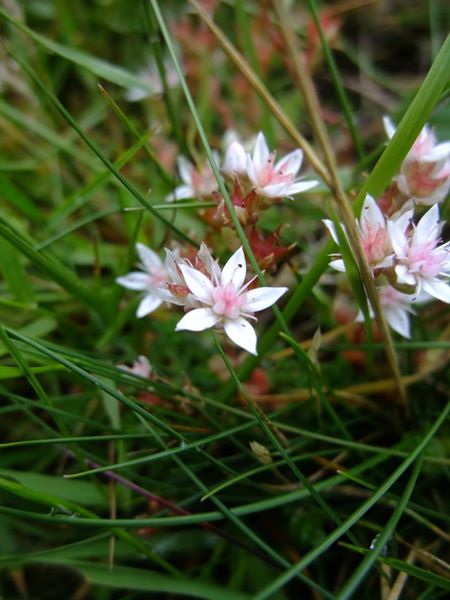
(211, 297)
(407, 260)
(255, 180)
(256, 172)
(424, 176)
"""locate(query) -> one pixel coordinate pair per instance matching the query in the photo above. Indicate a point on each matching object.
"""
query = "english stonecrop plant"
(223, 301)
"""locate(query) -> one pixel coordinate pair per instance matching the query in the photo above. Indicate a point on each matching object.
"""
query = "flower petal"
(398, 239)
(428, 227)
(208, 261)
(439, 152)
(260, 152)
(438, 289)
(371, 214)
(332, 229)
(404, 220)
(235, 269)
(398, 319)
(404, 276)
(235, 159)
(389, 127)
(197, 320)
(337, 265)
(182, 192)
(242, 334)
(149, 259)
(261, 298)
(251, 170)
(148, 304)
(274, 190)
(301, 186)
(198, 283)
(141, 367)
(439, 194)
(290, 164)
(185, 169)
(166, 295)
(136, 280)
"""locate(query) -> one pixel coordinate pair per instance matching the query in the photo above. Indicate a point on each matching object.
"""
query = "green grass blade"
(14, 273)
(366, 565)
(337, 82)
(19, 200)
(58, 272)
(360, 512)
(148, 581)
(96, 150)
(99, 67)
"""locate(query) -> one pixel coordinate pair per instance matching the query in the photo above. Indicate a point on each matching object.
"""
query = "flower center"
(423, 260)
(227, 301)
(268, 175)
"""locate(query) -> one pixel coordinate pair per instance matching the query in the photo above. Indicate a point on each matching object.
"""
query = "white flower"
(373, 234)
(396, 309)
(153, 276)
(235, 160)
(197, 182)
(420, 262)
(424, 175)
(275, 180)
(225, 301)
(141, 367)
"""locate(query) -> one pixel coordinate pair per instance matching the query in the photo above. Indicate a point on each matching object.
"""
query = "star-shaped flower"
(141, 367)
(224, 300)
(420, 261)
(198, 182)
(275, 180)
(424, 175)
(374, 237)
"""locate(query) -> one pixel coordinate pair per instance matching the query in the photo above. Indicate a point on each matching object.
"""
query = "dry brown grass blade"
(357, 393)
(402, 578)
(427, 557)
(326, 338)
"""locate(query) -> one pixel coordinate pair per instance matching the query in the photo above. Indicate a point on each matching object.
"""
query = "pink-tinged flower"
(424, 175)
(373, 234)
(275, 180)
(152, 276)
(197, 182)
(174, 290)
(396, 309)
(235, 159)
(420, 262)
(141, 367)
(224, 300)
